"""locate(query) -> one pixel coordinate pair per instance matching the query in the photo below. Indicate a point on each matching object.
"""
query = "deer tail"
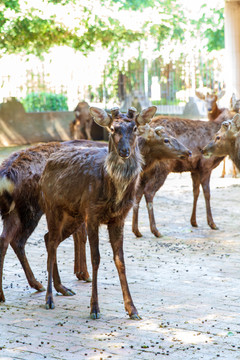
(7, 203)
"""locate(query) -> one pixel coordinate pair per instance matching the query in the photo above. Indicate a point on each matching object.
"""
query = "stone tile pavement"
(185, 285)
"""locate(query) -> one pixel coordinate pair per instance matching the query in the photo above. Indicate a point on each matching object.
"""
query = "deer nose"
(124, 153)
(186, 154)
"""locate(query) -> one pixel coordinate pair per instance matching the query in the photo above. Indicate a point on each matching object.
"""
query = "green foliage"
(43, 101)
(134, 4)
(33, 32)
(215, 39)
(165, 101)
(211, 27)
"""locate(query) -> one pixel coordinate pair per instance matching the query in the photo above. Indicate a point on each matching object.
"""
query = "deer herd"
(81, 184)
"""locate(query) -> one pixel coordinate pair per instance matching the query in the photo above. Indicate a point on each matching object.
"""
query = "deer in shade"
(80, 127)
(20, 193)
(20, 206)
(95, 186)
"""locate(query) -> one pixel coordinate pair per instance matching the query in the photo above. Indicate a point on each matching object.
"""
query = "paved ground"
(186, 287)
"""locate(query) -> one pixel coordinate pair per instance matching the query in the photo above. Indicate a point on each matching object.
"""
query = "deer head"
(225, 138)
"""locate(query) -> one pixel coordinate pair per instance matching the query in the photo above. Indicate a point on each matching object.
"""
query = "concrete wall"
(19, 128)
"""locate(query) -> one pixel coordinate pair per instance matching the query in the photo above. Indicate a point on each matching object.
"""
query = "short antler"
(115, 112)
(132, 112)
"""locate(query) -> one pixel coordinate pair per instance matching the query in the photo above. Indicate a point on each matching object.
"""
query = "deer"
(92, 187)
(222, 114)
(226, 141)
(20, 206)
(80, 127)
(21, 211)
(194, 134)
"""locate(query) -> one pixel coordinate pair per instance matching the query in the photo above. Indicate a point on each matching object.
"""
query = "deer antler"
(132, 112)
(115, 112)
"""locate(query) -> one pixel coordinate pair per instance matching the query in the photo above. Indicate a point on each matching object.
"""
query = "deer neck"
(123, 172)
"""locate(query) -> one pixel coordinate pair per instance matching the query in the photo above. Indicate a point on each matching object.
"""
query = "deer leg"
(8, 233)
(234, 171)
(15, 233)
(116, 240)
(95, 259)
(153, 184)
(26, 228)
(206, 191)
(80, 263)
(149, 201)
(5, 239)
(88, 133)
(137, 201)
(196, 191)
(52, 242)
(56, 277)
(224, 169)
(19, 249)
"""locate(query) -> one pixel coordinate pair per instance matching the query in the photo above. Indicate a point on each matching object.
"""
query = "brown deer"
(222, 114)
(19, 203)
(213, 110)
(94, 186)
(80, 127)
(22, 208)
(226, 141)
(194, 134)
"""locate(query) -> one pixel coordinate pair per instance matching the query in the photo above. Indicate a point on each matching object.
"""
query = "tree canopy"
(24, 26)
(35, 26)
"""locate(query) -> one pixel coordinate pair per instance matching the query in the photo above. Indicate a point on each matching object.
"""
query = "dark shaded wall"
(19, 128)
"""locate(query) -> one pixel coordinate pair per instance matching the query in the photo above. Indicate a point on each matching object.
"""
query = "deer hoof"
(41, 289)
(137, 233)
(214, 226)
(95, 316)
(66, 292)
(194, 224)
(83, 276)
(135, 317)
(2, 297)
(69, 292)
(50, 304)
(157, 233)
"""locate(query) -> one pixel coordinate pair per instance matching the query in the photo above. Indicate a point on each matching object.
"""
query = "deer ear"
(101, 117)
(200, 95)
(221, 94)
(146, 115)
(235, 125)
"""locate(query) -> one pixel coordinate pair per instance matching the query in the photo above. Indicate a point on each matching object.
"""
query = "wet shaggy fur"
(20, 200)
(77, 188)
(19, 176)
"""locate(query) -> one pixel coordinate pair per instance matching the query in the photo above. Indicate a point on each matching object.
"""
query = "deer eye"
(135, 128)
(112, 129)
(218, 137)
(166, 141)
